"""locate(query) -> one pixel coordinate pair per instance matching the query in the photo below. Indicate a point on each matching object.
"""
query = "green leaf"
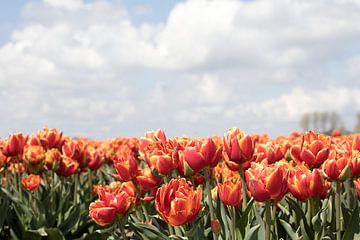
(289, 230)
(54, 234)
(97, 236)
(71, 220)
(353, 226)
(147, 231)
(251, 233)
(4, 208)
(244, 220)
(305, 228)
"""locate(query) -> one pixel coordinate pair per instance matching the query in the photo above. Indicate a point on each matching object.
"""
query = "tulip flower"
(201, 154)
(51, 138)
(74, 149)
(52, 159)
(177, 202)
(313, 151)
(304, 183)
(158, 152)
(229, 188)
(337, 167)
(147, 180)
(271, 152)
(266, 182)
(125, 166)
(238, 148)
(14, 145)
(31, 182)
(34, 155)
(96, 158)
(110, 203)
(67, 167)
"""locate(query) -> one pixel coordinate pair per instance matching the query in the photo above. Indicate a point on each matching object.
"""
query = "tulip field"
(236, 186)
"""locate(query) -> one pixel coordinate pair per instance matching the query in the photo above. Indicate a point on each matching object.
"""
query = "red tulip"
(266, 182)
(304, 183)
(177, 202)
(197, 156)
(51, 138)
(238, 148)
(67, 167)
(14, 145)
(96, 158)
(337, 167)
(313, 151)
(112, 202)
(34, 155)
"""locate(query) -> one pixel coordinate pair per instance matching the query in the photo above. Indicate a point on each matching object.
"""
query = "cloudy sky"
(121, 67)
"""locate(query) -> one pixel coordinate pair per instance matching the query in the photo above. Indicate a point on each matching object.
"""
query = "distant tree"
(324, 119)
(334, 120)
(357, 125)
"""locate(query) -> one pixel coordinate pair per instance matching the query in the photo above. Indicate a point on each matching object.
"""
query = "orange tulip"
(14, 145)
(337, 167)
(177, 202)
(313, 151)
(266, 182)
(229, 188)
(197, 156)
(74, 149)
(147, 180)
(125, 166)
(159, 152)
(52, 159)
(51, 138)
(67, 167)
(304, 183)
(34, 155)
(116, 201)
(238, 148)
(31, 182)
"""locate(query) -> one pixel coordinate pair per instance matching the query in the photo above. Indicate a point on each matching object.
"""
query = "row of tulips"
(304, 186)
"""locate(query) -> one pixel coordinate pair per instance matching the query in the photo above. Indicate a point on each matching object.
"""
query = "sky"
(108, 68)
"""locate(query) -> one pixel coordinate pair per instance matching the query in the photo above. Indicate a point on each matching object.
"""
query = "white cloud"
(212, 62)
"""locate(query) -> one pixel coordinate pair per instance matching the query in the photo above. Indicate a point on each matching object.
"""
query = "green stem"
(233, 223)
(145, 213)
(350, 194)
(75, 187)
(274, 218)
(309, 211)
(90, 177)
(244, 190)
(338, 209)
(209, 198)
(122, 230)
(267, 220)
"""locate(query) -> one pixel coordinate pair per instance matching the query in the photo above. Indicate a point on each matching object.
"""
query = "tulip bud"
(215, 226)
